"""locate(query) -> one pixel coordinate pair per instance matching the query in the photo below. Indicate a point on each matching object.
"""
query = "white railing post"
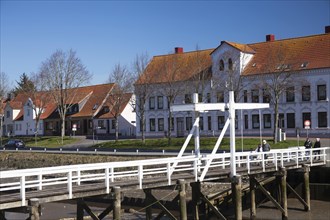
(169, 172)
(112, 174)
(140, 175)
(78, 176)
(22, 192)
(196, 170)
(107, 180)
(69, 176)
(248, 162)
(40, 181)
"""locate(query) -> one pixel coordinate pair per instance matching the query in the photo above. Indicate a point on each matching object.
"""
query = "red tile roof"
(176, 67)
(302, 53)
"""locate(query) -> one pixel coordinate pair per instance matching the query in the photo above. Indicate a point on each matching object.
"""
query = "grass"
(45, 141)
(206, 143)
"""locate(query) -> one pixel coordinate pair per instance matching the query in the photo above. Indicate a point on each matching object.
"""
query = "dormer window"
(221, 65)
(230, 64)
(106, 109)
(95, 107)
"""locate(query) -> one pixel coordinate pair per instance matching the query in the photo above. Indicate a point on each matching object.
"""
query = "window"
(267, 121)
(209, 123)
(188, 123)
(265, 96)
(230, 64)
(200, 97)
(187, 98)
(221, 65)
(201, 123)
(280, 120)
(100, 124)
(160, 124)
(255, 95)
(8, 114)
(49, 125)
(246, 121)
(245, 96)
(152, 103)
(208, 97)
(290, 120)
(305, 93)
(255, 121)
(220, 97)
(113, 124)
(221, 122)
(322, 119)
(28, 112)
(306, 116)
(321, 92)
(152, 124)
(160, 103)
(290, 94)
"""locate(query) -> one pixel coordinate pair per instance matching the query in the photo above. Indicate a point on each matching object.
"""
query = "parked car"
(15, 143)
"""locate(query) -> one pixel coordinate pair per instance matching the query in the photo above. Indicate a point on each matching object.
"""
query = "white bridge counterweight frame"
(201, 107)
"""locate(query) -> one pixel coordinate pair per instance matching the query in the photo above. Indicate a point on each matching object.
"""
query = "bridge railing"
(108, 173)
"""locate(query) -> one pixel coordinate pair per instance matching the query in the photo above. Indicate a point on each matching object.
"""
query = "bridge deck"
(12, 199)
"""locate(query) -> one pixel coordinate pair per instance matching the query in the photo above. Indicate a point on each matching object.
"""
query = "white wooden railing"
(74, 175)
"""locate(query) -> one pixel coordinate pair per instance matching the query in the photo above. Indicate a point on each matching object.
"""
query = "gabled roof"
(294, 54)
(87, 96)
(108, 104)
(176, 67)
(303, 53)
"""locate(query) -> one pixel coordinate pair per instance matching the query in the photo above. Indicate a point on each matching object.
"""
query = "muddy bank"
(13, 160)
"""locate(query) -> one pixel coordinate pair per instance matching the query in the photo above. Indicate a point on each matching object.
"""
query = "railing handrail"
(109, 172)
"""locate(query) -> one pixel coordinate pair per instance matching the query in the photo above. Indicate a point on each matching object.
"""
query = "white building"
(91, 112)
(251, 68)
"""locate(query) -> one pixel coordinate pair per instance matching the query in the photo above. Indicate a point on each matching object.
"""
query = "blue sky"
(105, 33)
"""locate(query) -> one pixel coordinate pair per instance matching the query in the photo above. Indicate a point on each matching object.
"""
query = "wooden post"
(284, 199)
(182, 196)
(196, 190)
(236, 187)
(253, 210)
(2, 215)
(148, 202)
(80, 210)
(117, 203)
(306, 188)
(34, 209)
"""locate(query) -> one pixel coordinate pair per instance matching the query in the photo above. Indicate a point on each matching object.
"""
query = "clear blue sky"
(104, 33)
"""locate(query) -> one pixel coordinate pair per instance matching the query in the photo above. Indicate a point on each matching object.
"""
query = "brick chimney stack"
(178, 50)
(327, 29)
(270, 37)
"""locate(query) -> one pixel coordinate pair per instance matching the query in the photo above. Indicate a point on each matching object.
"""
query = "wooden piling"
(196, 190)
(306, 189)
(253, 210)
(182, 201)
(236, 187)
(284, 199)
(148, 204)
(117, 203)
(80, 210)
(34, 209)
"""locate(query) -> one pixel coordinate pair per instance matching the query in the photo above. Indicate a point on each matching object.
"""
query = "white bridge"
(140, 171)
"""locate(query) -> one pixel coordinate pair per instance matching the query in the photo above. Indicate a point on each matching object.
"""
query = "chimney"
(178, 50)
(327, 29)
(270, 37)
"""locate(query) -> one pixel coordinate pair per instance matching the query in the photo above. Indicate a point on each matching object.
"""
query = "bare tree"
(142, 89)
(64, 73)
(277, 79)
(120, 93)
(3, 93)
(172, 68)
(38, 95)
